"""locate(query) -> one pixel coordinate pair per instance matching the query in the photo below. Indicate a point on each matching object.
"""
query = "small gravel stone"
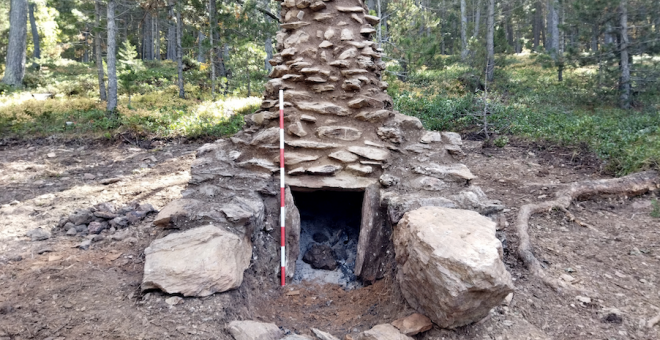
(38, 234)
(105, 214)
(146, 207)
(135, 216)
(97, 227)
(84, 245)
(119, 222)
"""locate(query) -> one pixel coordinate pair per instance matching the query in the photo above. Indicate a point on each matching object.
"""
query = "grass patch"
(155, 114)
(155, 108)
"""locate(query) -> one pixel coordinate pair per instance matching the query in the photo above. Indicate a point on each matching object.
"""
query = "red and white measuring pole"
(282, 190)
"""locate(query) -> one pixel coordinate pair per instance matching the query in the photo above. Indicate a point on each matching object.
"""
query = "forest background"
(577, 73)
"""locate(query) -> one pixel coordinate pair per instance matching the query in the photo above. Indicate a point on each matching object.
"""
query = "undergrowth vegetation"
(155, 114)
(526, 100)
(155, 109)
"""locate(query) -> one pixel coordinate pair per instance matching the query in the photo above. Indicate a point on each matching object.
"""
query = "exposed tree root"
(634, 184)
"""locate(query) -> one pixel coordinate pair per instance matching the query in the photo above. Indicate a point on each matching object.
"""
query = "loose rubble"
(102, 217)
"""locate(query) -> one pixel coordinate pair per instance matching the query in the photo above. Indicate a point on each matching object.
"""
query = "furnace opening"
(329, 232)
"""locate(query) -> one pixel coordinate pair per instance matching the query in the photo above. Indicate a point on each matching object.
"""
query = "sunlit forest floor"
(524, 101)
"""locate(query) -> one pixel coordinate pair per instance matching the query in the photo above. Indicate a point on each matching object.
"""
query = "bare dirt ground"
(53, 290)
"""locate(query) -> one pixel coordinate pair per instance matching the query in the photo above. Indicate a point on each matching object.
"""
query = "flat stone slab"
(340, 181)
(370, 152)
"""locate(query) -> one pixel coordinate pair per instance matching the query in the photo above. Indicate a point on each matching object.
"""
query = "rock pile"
(103, 216)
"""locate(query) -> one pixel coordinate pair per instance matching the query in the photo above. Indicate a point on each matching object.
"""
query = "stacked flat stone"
(342, 131)
(334, 100)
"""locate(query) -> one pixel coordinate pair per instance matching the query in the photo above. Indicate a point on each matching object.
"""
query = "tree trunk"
(625, 67)
(224, 72)
(562, 36)
(477, 20)
(608, 38)
(543, 32)
(594, 38)
(464, 50)
(380, 30)
(179, 50)
(112, 58)
(518, 42)
(147, 38)
(220, 69)
(171, 32)
(537, 24)
(552, 45)
(508, 26)
(156, 34)
(247, 70)
(490, 66)
(99, 52)
(212, 25)
(86, 44)
(269, 53)
(35, 35)
(200, 47)
(268, 42)
(16, 49)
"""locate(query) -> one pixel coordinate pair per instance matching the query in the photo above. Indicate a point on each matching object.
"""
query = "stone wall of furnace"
(341, 134)
(335, 105)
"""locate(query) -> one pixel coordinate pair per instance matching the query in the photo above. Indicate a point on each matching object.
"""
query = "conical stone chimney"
(340, 124)
(341, 134)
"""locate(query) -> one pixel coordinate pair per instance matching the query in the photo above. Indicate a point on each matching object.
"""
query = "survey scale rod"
(282, 191)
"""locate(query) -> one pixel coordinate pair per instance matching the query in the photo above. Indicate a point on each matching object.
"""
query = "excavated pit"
(329, 220)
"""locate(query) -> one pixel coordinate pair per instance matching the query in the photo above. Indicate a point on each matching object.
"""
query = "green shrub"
(438, 113)
(501, 141)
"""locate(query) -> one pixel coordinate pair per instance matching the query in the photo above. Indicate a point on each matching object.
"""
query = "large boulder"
(197, 262)
(450, 264)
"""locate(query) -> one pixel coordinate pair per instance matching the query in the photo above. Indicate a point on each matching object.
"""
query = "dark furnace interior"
(329, 231)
